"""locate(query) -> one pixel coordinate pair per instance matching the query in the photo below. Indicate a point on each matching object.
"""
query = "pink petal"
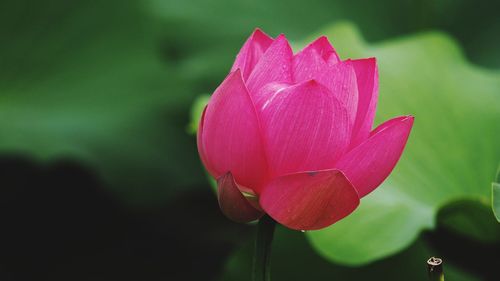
(233, 203)
(312, 60)
(309, 200)
(341, 80)
(367, 77)
(274, 66)
(253, 49)
(268, 92)
(305, 128)
(370, 163)
(231, 140)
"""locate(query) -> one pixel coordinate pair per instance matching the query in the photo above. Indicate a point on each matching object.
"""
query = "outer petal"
(367, 78)
(305, 128)
(369, 164)
(312, 60)
(231, 139)
(253, 49)
(233, 203)
(274, 66)
(309, 200)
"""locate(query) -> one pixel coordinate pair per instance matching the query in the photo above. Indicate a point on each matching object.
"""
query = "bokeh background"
(100, 177)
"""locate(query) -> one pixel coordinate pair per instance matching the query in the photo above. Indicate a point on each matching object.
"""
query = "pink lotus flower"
(290, 135)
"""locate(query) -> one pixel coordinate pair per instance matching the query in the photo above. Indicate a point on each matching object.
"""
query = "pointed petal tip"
(282, 40)
(237, 71)
(409, 119)
(282, 37)
(369, 61)
(403, 118)
(259, 33)
(405, 121)
(257, 30)
(235, 74)
(322, 41)
(371, 162)
(250, 53)
(322, 47)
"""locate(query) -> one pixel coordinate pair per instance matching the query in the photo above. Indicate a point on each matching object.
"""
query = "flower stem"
(435, 269)
(262, 256)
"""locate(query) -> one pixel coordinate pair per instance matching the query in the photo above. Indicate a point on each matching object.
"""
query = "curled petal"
(367, 79)
(233, 203)
(251, 52)
(274, 66)
(309, 200)
(230, 137)
(305, 128)
(369, 164)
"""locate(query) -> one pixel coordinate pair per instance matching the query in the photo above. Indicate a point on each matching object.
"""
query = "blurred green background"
(100, 177)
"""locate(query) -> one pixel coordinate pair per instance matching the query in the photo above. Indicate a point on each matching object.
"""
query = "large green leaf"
(451, 155)
(86, 80)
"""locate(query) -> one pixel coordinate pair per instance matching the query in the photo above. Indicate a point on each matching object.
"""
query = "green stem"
(262, 256)
(435, 269)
